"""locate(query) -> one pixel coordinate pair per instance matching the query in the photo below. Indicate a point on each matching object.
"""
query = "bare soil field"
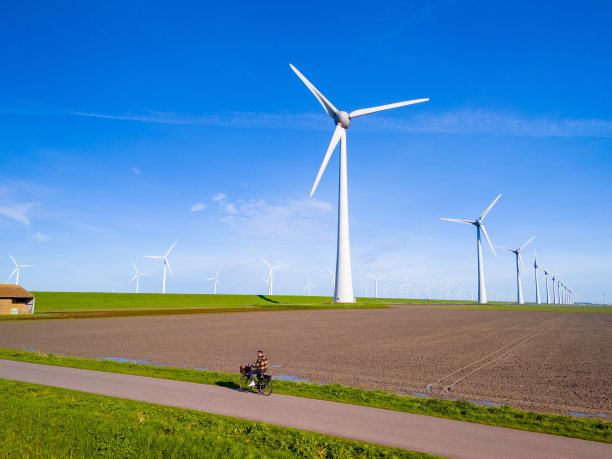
(555, 362)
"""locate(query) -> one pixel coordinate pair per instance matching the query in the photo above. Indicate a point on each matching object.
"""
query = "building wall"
(7, 304)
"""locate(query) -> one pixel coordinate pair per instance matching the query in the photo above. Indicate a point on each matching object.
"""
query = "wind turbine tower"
(375, 279)
(271, 275)
(308, 285)
(482, 292)
(165, 262)
(517, 252)
(215, 281)
(344, 279)
(17, 270)
(137, 276)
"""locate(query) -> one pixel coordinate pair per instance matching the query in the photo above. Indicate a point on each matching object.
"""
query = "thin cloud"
(136, 171)
(39, 237)
(19, 213)
(197, 207)
(458, 121)
(219, 197)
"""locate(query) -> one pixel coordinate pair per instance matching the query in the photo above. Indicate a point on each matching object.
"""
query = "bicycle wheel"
(266, 387)
(245, 380)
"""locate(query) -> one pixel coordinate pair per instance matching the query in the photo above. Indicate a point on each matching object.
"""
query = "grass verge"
(587, 429)
(42, 421)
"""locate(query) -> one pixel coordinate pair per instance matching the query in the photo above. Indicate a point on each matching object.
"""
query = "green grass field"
(587, 429)
(84, 305)
(41, 421)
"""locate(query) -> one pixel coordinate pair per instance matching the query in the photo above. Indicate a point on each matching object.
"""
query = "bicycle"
(263, 383)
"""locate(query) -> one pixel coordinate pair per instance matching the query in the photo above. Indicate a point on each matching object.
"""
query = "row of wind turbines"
(342, 277)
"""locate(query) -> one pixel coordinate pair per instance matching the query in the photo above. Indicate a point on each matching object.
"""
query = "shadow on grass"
(268, 299)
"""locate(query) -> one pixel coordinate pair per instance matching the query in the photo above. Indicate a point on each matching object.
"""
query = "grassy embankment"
(41, 421)
(67, 305)
(588, 429)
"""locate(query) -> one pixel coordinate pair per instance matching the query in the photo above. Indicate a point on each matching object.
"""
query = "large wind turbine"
(344, 279)
(482, 293)
(137, 277)
(517, 253)
(271, 275)
(17, 270)
(216, 281)
(375, 279)
(165, 262)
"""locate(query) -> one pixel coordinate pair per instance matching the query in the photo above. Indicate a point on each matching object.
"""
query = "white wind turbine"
(344, 279)
(17, 270)
(405, 286)
(137, 277)
(536, 266)
(165, 262)
(308, 285)
(270, 280)
(215, 281)
(428, 288)
(375, 279)
(554, 291)
(517, 253)
(482, 293)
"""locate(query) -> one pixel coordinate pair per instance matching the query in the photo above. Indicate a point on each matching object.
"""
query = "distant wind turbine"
(166, 264)
(344, 279)
(271, 275)
(215, 281)
(482, 293)
(137, 277)
(375, 279)
(517, 253)
(405, 286)
(17, 270)
(428, 288)
(308, 285)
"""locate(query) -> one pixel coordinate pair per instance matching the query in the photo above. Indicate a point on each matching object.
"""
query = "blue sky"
(124, 126)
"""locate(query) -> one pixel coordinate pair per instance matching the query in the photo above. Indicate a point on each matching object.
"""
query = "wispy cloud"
(294, 216)
(458, 121)
(39, 237)
(219, 197)
(18, 212)
(136, 171)
(197, 207)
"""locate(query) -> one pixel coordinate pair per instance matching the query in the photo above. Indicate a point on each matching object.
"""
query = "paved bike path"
(442, 437)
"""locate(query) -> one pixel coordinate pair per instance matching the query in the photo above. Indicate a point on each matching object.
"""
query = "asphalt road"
(442, 437)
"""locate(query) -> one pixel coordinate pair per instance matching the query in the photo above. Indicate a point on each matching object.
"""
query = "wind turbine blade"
(27, 266)
(505, 248)
(132, 279)
(13, 273)
(135, 268)
(521, 260)
(168, 265)
(151, 256)
(338, 133)
(371, 277)
(467, 222)
(16, 264)
(327, 105)
(264, 260)
(523, 246)
(367, 111)
(171, 247)
(484, 214)
(484, 231)
(217, 281)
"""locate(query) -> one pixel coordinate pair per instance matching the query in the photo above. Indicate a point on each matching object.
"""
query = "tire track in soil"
(471, 368)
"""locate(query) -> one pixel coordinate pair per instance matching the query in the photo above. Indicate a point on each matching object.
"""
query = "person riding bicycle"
(258, 368)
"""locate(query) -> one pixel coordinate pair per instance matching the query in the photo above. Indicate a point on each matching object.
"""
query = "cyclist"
(258, 368)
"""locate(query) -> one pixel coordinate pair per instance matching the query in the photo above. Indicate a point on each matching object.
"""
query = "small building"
(14, 299)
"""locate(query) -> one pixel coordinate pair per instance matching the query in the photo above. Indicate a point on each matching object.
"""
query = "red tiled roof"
(14, 291)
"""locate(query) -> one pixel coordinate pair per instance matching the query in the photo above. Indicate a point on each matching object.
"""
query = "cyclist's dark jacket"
(262, 365)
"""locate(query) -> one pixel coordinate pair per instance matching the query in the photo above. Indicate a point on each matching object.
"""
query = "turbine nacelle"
(342, 119)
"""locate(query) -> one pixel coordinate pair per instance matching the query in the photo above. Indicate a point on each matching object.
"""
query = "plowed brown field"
(544, 361)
